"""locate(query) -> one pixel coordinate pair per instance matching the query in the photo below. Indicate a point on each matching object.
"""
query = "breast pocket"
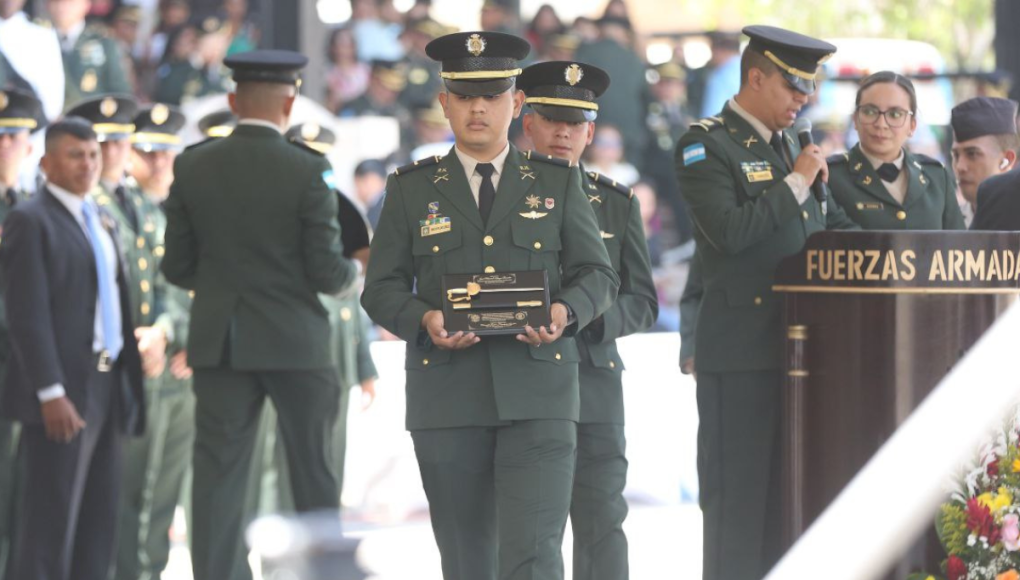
(432, 256)
(538, 245)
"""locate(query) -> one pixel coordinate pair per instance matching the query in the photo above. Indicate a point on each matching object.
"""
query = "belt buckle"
(104, 364)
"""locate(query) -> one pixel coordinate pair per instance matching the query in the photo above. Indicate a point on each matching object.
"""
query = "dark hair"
(332, 40)
(1008, 141)
(76, 127)
(752, 59)
(887, 76)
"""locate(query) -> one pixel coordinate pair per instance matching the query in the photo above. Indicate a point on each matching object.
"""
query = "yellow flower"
(998, 502)
(1016, 466)
(1008, 575)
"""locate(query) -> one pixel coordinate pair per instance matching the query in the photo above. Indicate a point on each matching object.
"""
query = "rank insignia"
(532, 201)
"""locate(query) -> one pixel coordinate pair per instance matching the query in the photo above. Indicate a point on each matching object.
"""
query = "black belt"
(102, 361)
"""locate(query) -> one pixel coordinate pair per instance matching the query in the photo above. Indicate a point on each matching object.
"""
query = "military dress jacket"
(635, 308)
(746, 220)
(930, 202)
(541, 220)
(8, 201)
(252, 229)
(94, 67)
(998, 203)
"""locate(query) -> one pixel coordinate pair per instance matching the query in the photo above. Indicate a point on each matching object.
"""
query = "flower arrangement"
(979, 526)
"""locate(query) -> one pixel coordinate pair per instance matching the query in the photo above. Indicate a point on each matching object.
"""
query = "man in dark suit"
(252, 229)
(75, 380)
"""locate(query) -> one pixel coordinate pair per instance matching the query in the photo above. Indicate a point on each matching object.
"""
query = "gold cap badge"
(4, 100)
(573, 74)
(475, 44)
(160, 113)
(108, 107)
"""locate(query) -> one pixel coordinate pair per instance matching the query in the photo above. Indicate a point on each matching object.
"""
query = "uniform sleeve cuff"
(51, 392)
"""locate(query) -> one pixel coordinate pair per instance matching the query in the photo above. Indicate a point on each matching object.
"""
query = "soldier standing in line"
(93, 64)
(562, 97)
(155, 465)
(494, 420)
(21, 114)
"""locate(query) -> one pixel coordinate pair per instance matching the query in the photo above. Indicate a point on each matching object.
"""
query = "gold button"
(435, 249)
(490, 270)
(425, 362)
(538, 245)
(345, 313)
(142, 264)
(804, 214)
(901, 215)
(158, 251)
(757, 300)
(612, 364)
(860, 206)
(488, 240)
(191, 294)
(140, 242)
(145, 285)
(558, 356)
(145, 308)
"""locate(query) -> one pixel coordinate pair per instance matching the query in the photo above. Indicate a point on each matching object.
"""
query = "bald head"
(266, 101)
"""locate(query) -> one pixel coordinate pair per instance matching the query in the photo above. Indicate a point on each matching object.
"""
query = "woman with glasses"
(880, 184)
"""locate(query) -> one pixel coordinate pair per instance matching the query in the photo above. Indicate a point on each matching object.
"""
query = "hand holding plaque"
(503, 303)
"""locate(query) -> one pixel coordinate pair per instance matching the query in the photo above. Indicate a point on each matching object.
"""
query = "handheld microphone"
(802, 127)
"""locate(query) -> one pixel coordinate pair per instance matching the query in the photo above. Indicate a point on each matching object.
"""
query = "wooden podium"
(873, 321)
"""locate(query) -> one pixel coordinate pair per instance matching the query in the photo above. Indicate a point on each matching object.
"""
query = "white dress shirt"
(261, 123)
(74, 204)
(800, 187)
(34, 53)
(474, 178)
(897, 188)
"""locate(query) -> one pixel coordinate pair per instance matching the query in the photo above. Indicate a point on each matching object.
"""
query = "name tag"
(870, 205)
(435, 226)
(756, 171)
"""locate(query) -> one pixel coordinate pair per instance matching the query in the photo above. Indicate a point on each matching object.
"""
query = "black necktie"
(125, 205)
(10, 197)
(487, 192)
(888, 172)
(777, 145)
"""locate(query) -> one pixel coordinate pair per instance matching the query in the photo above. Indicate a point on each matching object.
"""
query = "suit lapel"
(516, 180)
(748, 138)
(866, 179)
(448, 177)
(64, 216)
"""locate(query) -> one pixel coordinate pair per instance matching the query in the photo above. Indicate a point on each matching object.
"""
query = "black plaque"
(500, 303)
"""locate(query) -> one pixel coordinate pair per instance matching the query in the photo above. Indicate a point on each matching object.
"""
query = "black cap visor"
(479, 88)
(566, 114)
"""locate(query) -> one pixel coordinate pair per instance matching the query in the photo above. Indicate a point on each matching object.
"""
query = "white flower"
(971, 540)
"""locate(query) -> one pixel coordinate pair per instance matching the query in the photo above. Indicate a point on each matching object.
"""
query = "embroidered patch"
(550, 203)
(329, 178)
(693, 154)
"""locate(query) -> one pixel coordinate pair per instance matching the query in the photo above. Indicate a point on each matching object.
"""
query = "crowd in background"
(172, 51)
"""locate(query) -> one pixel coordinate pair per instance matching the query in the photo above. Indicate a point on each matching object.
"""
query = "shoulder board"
(928, 160)
(838, 158)
(615, 186)
(536, 156)
(709, 124)
(302, 145)
(202, 142)
(418, 164)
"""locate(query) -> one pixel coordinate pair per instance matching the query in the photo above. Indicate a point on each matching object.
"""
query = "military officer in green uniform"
(21, 115)
(353, 363)
(156, 463)
(562, 97)
(493, 419)
(93, 63)
(882, 185)
(748, 186)
(257, 328)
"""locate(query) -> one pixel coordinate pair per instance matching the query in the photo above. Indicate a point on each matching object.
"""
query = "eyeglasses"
(895, 117)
